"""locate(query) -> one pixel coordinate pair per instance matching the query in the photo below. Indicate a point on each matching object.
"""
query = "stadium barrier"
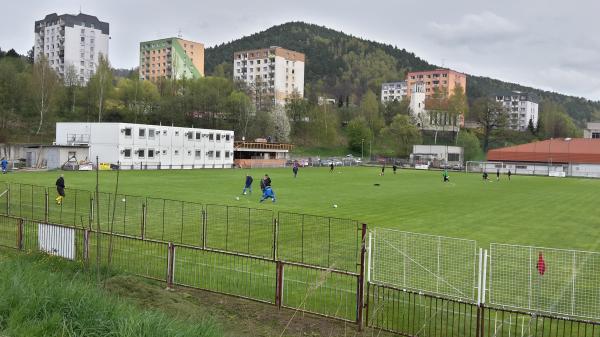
(324, 241)
(322, 291)
(581, 170)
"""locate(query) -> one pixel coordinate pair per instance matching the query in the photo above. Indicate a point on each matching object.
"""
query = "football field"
(541, 211)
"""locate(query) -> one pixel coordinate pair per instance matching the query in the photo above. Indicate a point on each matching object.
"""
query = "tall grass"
(44, 296)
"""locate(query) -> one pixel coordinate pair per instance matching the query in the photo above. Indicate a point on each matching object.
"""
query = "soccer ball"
(244, 193)
(123, 200)
(237, 198)
(334, 206)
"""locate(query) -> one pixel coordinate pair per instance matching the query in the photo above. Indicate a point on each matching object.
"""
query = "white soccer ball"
(123, 200)
(237, 198)
(334, 206)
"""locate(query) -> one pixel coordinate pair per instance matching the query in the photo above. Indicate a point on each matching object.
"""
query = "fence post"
(46, 205)
(86, 247)
(8, 200)
(170, 265)
(361, 280)
(143, 224)
(203, 229)
(275, 233)
(20, 234)
(279, 284)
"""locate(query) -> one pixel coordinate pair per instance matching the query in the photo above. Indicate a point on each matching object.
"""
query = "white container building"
(141, 146)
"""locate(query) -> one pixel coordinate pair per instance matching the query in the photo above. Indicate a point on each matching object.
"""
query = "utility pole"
(362, 145)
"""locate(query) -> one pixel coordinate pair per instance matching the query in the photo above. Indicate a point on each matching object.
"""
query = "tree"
(530, 127)
(101, 84)
(281, 124)
(457, 102)
(369, 109)
(240, 110)
(398, 138)
(470, 144)
(393, 108)
(358, 132)
(556, 123)
(43, 84)
(491, 115)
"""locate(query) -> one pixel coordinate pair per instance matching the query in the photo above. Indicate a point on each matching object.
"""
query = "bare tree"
(43, 81)
(101, 83)
(71, 81)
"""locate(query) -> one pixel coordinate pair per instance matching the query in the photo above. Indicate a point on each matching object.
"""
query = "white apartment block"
(521, 108)
(592, 130)
(71, 43)
(272, 75)
(141, 146)
(394, 91)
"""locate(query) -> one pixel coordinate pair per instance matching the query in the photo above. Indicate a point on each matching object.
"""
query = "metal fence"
(434, 264)
(315, 240)
(319, 290)
(538, 169)
(555, 281)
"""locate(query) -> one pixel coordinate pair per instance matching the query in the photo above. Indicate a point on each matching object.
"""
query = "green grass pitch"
(542, 211)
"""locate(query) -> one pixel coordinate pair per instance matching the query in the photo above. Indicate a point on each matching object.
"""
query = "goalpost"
(480, 166)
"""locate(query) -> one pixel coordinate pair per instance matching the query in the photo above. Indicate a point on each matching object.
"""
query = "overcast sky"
(548, 44)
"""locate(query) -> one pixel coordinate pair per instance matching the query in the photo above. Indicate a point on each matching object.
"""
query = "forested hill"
(339, 64)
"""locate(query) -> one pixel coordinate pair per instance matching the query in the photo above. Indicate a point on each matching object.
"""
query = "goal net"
(427, 263)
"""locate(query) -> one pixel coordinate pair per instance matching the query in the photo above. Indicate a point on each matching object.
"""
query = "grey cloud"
(485, 27)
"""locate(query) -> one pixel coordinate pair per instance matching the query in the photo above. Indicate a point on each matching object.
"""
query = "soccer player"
(295, 168)
(382, 169)
(485, 176)
(60, 188)
(498, 175)
(266, 181)
(248, 185)
(446, 177)
(4, 164)
(268, 193)
(331, 167)
(509, 174)
(394, 168)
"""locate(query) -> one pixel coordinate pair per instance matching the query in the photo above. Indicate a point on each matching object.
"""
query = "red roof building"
(567, 150)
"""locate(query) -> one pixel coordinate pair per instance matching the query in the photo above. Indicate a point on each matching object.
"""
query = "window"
(218, 137)
(82, 39)
(127, 153)
(198, 154)
(189, 152)
(141, 153)
(210, 154)
(226, 154)
(176, 133)
(190, 135)
(218, 154)
(151, 133)
(127, 132)
(211, 136)
(164, 132)
(150, 153)
(198, 135)
(227, 137)
(142, 133)
(595, 135)
(453, 157)
(176, 152)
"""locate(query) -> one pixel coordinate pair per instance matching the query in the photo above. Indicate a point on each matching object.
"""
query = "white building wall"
(138, 146)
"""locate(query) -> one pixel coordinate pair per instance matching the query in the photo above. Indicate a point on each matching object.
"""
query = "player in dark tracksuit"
(60, 188)
(248, 185)
(267, 191)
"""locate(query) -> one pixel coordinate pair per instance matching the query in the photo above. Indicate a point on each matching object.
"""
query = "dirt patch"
(236, 316)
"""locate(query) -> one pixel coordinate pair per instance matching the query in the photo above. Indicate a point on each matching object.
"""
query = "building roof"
(562, 150)
(72, 20)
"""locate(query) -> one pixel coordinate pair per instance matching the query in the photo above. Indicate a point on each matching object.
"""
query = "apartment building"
(141, 146)
(394, 91)
(521, 107)
(592, 130)
(171, 58)
(72, 44)
(442, 80)
(272, 75)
